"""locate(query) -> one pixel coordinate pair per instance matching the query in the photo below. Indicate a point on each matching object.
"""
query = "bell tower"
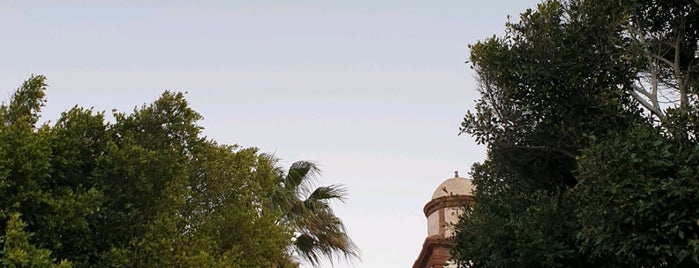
(442, 212)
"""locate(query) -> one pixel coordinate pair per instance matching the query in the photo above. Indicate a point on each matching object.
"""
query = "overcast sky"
(373, 90)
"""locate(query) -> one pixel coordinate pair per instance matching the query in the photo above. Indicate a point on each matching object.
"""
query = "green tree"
(555, 82)
(669, 32)
(178, 198)
(18, 252)
(638, 186)
(318, 232)
(637, 200)
(26, 182)
(146, 190)
(575, 176)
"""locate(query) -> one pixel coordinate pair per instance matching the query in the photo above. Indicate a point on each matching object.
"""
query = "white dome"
(454, 186)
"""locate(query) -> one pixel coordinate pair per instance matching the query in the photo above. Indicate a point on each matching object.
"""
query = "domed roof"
(454, 186)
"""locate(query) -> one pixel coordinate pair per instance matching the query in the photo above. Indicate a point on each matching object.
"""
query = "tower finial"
(456, 174)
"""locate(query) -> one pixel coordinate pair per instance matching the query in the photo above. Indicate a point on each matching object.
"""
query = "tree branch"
(645, 104)
(660, 58)
(639, 88)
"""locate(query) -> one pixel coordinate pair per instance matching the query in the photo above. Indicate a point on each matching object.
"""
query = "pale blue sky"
(372, 90)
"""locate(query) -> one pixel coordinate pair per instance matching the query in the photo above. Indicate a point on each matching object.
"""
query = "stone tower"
(442, 211)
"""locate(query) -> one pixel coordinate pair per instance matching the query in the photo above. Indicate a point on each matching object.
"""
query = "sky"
(373, 91)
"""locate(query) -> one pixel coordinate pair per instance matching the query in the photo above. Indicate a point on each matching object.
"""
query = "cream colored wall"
(433, 223)
(451, 217)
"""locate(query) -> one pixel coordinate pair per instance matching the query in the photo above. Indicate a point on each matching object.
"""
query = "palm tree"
(318, 233)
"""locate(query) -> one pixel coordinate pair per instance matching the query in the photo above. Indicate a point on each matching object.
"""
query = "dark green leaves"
(575, 176)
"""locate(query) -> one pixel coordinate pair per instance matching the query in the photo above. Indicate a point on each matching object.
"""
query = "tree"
(19, 252)
(638, 186)
(195, 202)
(318, 233)
(669, 34)
(26, 182)
(636, 202)
(553, 84)
(575, 175)
(146, 190)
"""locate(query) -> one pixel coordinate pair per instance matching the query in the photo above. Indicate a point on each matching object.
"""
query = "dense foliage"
(146, 190)
(581, 171)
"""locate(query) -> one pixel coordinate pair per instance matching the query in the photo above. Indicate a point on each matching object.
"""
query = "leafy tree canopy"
(578, 174)
(146, 190)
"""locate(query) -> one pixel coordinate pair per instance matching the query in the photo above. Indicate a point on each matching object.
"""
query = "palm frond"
(328, 193)
(319, 233)
(301, 176)
(329, 237)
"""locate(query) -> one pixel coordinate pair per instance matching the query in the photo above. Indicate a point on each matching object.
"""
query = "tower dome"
(443, 211)
(446, 205)
(455, 186)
